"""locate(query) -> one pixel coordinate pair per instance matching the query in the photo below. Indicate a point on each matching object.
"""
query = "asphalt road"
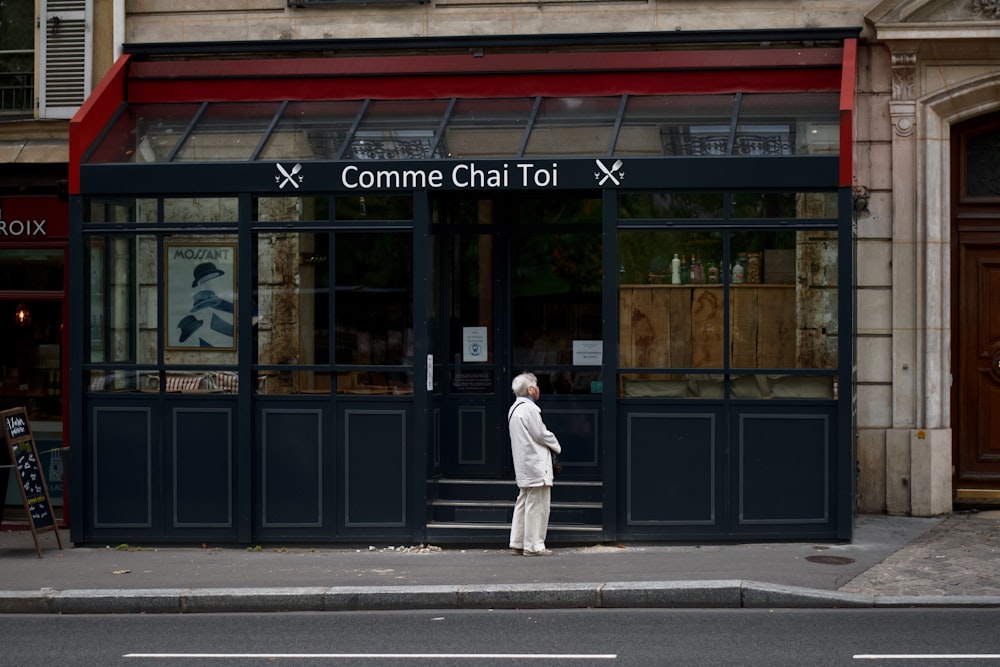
(859, 637)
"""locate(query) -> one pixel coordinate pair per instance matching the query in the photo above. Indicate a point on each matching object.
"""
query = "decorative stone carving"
(987, 9)
(904, 76)
(904, 124)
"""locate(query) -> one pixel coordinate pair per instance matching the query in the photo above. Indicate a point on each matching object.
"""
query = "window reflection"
(800, 123)
(31, 331)
(777, 291)
(291, 309)
(556, 299)
(374, 297)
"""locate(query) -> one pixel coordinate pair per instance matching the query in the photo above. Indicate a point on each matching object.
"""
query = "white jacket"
(530, 444)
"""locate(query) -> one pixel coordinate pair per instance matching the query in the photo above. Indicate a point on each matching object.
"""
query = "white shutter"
(65, 43)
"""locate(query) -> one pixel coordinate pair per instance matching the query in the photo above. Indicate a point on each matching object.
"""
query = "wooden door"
(976, 309)
(978, 369)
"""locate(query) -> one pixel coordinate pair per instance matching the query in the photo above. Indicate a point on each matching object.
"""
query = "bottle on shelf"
(675, 270)
(697, 273)
(740, 268)
(713, 273)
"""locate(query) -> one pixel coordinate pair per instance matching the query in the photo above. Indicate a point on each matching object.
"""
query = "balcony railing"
(17, 93)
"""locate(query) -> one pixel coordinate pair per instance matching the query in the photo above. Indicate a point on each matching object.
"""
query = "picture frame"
(200, 296)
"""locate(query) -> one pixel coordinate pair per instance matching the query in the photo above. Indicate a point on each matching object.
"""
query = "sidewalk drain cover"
(830, 560)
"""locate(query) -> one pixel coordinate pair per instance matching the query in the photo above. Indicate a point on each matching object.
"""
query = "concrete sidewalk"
(892, 561)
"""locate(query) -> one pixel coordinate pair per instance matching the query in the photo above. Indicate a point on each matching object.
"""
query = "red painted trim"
(514, 75)
(848, 81)
(93, 115)
(496, 85)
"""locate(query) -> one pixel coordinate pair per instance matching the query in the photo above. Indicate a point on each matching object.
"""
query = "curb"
(711, 594)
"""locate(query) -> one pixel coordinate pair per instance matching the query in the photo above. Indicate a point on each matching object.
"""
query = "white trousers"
(531, 518)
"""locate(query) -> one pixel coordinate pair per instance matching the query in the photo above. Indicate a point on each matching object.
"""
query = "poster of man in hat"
(201, 292)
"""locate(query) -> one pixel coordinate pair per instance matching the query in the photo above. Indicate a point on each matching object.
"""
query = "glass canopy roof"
(740, 124)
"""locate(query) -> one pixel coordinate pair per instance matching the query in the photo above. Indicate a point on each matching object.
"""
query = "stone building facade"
(927, 90)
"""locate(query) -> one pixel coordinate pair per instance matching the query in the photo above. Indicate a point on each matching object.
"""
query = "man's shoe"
(514, 551)
(543, 552)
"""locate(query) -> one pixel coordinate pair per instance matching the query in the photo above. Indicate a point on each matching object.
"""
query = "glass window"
(291, 209)
(116, 211)
(311, 131)
(755, 124)
(31, 269)
(201, 209)
(788, 124)
(472, 294)
(111, 297)
(784, 205)
(17, 57)
(568, 126)
(670, 299)
(227, 132)
(556, 306)
(30, 361)
(487, 127)
(676, 125)
(784, 300)
(374, 298)
(671, 205)
(144, 133)
(372, 208)
(776, 289)
(980, 168)
(398, 130)
(292, 295)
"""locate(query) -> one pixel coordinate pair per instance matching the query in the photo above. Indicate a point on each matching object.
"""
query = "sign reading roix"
(32, 219)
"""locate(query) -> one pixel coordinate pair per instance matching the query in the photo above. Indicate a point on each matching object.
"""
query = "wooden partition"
(681, 326)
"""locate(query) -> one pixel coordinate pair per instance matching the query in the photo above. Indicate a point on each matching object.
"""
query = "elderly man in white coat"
(532, 446)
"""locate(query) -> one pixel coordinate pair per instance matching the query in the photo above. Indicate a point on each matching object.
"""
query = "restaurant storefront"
(34, 244)
(310, 281)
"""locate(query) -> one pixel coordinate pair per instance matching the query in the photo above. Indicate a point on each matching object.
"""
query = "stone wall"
(152, 21)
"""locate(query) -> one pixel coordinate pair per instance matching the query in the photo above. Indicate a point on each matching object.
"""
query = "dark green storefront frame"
(248, 180)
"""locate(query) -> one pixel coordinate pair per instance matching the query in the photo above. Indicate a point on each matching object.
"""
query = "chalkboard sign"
(23, 456)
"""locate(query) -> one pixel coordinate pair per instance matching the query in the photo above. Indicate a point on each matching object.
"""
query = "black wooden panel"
(291, 468)
(122, 478)
(670, 468)
(577, 431)
(784, 468)
(375, 468)
(203, 471)
(471, 435)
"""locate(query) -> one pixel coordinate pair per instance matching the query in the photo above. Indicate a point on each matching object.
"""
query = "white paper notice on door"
(474, 344)
(588, 352)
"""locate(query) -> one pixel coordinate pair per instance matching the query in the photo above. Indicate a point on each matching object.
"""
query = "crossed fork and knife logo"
(289, 176)
(609, 174)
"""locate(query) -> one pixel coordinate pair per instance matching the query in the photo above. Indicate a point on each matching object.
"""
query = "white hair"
(522, 382)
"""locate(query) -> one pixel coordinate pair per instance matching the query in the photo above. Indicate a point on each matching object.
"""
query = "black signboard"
(493, 175)
(23, 456)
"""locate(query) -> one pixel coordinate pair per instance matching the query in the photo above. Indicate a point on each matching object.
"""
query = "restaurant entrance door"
(519, 291)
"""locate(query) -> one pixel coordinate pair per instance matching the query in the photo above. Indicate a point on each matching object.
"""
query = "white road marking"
(384, 656)
(927, 656)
